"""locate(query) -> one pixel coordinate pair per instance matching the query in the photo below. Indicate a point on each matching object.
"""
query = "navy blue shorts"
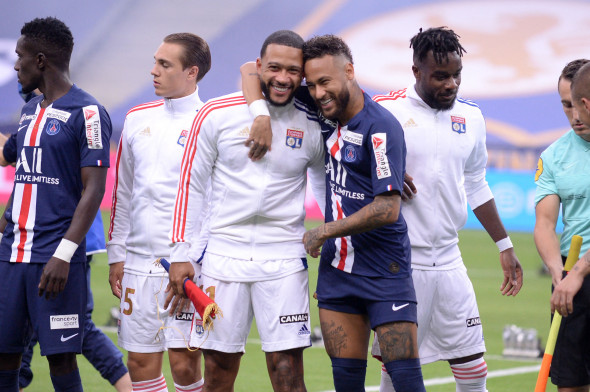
(383, 300)
(570, 366)
(58, 322)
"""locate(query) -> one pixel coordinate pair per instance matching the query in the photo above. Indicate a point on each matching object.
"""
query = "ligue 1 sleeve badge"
(294, 138)
(458, 124)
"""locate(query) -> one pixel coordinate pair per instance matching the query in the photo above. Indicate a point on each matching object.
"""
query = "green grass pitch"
(530, 309)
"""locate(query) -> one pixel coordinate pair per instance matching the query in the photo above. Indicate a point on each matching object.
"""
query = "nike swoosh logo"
(396, 308)
(19, 128)
(69, 337)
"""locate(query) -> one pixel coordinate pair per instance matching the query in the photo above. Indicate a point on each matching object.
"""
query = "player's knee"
(10, 362)
(219, 362)
(406, 375)
(286, 370)
(185, 365)
(349, 374)
(60, 364)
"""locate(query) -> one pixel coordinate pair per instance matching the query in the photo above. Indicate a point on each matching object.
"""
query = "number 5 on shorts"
(127, 299)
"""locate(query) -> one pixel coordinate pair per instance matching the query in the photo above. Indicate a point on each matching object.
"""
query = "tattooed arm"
(383, 210)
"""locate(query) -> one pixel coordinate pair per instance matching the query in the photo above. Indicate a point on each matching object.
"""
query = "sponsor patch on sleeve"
(539, 170)
(92, 127)
(379, 141)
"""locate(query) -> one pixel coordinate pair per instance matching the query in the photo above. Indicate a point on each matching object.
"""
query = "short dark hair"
(441, 40)
(50, 36)
(282, 37)
(323, 45)
(571, 68)
(581, 83)
(196, 51)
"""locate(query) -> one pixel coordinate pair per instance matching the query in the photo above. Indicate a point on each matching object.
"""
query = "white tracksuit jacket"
(148, 167)
(446, 156)
(257, 208)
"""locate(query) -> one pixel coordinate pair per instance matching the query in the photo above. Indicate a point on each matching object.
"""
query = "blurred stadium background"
(515, 51)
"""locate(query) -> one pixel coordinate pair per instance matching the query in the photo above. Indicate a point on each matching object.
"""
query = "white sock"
(155, 385)
(471, 376)
(386, 383)
(194, 387)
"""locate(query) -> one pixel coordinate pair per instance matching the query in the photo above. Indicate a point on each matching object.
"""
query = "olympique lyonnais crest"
(458, 124)
(294, 138)
(182, 138)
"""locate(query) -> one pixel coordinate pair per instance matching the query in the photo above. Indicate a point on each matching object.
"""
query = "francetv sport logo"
(64, 321)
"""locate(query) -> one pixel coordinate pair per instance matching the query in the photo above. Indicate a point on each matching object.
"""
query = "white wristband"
(504, 244)
(1, 235)
(65, 250)
(259, 108)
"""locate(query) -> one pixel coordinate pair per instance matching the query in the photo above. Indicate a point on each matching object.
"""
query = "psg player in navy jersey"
(61, 151)
(364, 279)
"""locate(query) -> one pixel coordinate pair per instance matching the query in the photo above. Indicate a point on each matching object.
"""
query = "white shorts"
(448, 318)
(281, 308)
(145, 326)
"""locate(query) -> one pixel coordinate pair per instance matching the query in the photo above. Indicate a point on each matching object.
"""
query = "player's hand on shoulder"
(260, 138)
(512, 270)
(116, 277)
(409, 188)
(54, 277)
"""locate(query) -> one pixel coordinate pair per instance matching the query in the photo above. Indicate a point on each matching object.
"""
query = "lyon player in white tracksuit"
(255, 262)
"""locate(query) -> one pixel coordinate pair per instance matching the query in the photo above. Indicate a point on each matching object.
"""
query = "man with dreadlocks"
(446, 156)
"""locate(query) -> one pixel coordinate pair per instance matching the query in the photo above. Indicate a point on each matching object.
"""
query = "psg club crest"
(349, 154)
(294, 138)
(458, 124)
(53, 127)
(182, 138)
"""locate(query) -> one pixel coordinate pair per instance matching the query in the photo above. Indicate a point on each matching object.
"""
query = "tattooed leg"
(285, 369)
(397, 341)
(345, 335)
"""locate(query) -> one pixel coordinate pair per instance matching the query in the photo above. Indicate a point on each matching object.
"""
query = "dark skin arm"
(383, 210)
(260, 138)
(487, 214)
(55, 273)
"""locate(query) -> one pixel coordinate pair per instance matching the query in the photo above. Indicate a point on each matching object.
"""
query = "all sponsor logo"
(294, 318)
(354, 138)
(64, 321)
(60, 115)
(52, 127)
(184, 316)
(182, 138)
(25, 117)
(304, 330)
(472, 322)
(349, 154)
(294, 138)
(458, 124)
(379, 141)
(92, 126)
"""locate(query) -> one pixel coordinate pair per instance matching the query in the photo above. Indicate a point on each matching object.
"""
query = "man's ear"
(193, 72)
(586, 103)
(41, 60)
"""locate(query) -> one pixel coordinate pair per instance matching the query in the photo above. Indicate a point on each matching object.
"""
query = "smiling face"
(171, 79)
(280, 71)
(565, 93)
(328, 80)
(26, 66)
(438, 84)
